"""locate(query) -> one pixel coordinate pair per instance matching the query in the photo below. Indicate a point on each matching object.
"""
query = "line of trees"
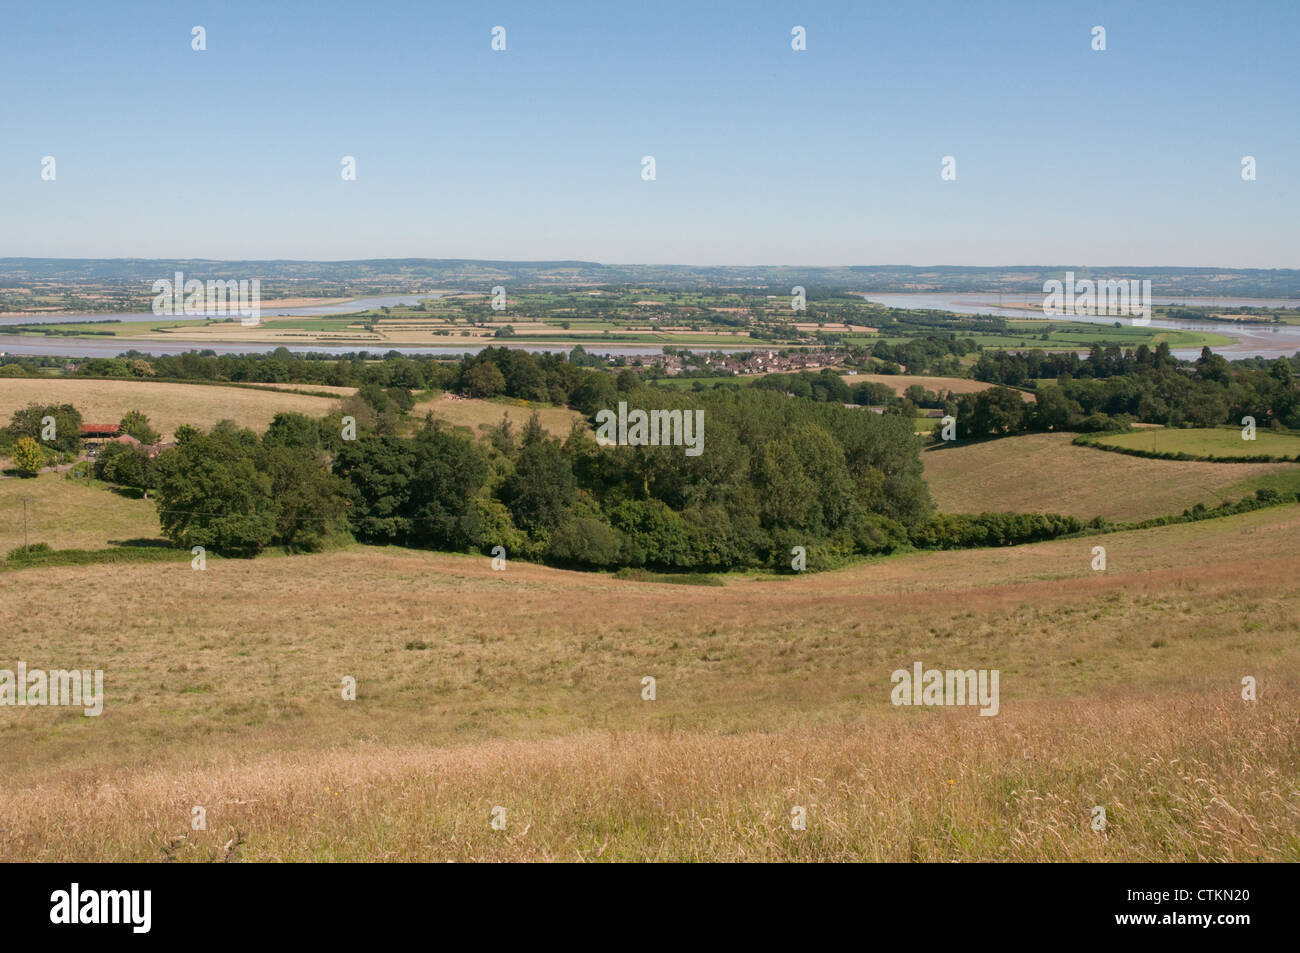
(1110, 388)
(775, 474)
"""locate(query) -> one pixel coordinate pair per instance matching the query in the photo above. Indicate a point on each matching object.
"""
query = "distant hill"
(389, 273)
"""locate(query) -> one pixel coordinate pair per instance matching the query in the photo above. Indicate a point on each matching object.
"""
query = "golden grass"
(901, 382)
(1046, 473)
(335, 389)
(1191, 779)
(167, 405)
(67, 514)
(522, 689)
(475, 413)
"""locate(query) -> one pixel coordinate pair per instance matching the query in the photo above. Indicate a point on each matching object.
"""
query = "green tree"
(137, 425)
(540, 491)
(485, 380)
(31, 422)
(125, 465)
(211, 494)
(585, 542)
(312, 505)
(294, 430)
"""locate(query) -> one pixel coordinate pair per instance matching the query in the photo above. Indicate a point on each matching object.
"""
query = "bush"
(29, 458)
(661, 537)
(585, 542)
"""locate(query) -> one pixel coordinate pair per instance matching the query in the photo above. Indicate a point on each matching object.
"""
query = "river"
(1252, 340)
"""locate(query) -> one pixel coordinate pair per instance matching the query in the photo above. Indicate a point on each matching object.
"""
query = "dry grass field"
(168, 405)
(67, 514)
(337, 390)
(1046, 473)
(522, 689)
(474, 413)
(901, 382)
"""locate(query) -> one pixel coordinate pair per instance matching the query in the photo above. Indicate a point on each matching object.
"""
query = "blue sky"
(764, 155)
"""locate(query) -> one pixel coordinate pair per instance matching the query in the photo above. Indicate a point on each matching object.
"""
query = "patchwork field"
(1206, 442)
(1046, 473)
(167, 405)
(477, 690)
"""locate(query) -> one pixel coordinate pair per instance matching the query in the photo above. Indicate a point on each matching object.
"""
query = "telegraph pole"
(25, 523)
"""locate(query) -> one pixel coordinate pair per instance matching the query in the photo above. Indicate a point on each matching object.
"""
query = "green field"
(1205, 442)
(1047, 473)
(68, 514)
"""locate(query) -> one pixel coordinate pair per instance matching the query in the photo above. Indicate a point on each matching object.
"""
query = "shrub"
(29, 458)
(585, 542)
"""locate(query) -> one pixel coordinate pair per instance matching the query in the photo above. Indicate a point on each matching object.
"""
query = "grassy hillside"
(168, 405)
(1045, 473)
(1206, 442)
(523, 689)
(67, 514)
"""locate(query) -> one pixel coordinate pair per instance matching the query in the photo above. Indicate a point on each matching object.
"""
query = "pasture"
(1206, 442)
(167, 405)
(1046, 473)
(522, 690)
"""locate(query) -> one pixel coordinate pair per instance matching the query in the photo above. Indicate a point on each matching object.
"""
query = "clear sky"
(764, 155)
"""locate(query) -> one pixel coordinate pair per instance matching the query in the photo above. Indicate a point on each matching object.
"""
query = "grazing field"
(167, 405)
(477, 689)
(1206, 442)
(67, 514)
(1046, 473)
(901, 382)
(475, 413)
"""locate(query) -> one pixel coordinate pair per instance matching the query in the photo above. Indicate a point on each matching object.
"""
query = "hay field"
(167, 405)
(339, 391)
(1046, 473)
(901, 382)
(475, 413)
(522, 689)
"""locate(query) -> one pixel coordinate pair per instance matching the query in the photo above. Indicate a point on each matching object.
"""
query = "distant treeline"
(1111, 387)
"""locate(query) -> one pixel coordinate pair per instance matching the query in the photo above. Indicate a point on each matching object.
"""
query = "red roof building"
(99, 430)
